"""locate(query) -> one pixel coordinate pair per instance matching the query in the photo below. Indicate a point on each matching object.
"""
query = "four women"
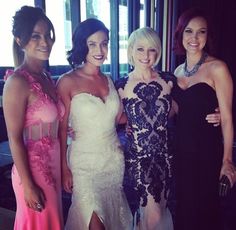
(93, 108)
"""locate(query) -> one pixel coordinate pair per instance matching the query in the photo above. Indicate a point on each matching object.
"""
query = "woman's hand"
(229, 170)
(71, 133)
(34, 197)
(128, 129)
(214, 118)
(67, 180)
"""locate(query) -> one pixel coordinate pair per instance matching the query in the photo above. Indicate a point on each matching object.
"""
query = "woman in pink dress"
(32, 112)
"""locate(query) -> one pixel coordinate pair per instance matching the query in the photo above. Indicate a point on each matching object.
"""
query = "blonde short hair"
(144, 33)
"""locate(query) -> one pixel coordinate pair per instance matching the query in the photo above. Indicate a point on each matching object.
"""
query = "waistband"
(38, 131)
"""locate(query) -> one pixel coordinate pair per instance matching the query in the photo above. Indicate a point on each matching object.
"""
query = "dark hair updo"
(24, 22)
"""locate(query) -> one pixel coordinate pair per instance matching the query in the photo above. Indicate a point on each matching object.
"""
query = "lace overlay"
(40, 135)
(97, 163)
(148, 164)
(41, 158)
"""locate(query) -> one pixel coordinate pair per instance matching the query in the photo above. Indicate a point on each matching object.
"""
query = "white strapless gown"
(97, 164)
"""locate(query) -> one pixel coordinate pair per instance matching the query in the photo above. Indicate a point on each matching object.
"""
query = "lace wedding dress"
(97, 163)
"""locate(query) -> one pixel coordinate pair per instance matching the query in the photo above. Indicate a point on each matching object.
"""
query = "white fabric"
(97, 164)
(154, 216)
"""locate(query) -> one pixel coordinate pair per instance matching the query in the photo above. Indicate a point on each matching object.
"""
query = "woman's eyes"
(188, 31)
(140, 49)
(91, 44)
(150, 50)
(38, 37)
(35, 36)
(105, 44)
(203, 31)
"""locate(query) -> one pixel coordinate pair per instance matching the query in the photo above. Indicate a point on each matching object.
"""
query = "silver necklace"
(189, 73)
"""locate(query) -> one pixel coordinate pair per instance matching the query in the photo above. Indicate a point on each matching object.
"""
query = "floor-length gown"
(148, 163)
(42, 144)
(97, 163)
(198, 159)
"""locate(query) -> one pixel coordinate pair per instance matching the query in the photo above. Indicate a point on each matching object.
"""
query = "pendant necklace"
(189, 73)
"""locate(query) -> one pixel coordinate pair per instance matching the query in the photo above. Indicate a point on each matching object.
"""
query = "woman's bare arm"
(63, 89)
(224, 91)
(15, 100)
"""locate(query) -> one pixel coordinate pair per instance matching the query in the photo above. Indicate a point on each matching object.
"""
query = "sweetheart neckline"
(196, 84)
(103, 100)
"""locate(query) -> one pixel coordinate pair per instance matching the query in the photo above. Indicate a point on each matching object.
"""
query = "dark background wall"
(223, 15)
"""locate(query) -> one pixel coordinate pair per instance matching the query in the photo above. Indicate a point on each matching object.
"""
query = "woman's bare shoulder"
(16, 80)
(217, 66)
(218, 69)
(68, 78)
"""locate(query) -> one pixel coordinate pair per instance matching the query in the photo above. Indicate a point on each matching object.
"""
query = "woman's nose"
(195, 35)
(145, 54)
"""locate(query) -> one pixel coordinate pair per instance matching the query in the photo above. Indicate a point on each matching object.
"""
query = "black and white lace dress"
(148, 164)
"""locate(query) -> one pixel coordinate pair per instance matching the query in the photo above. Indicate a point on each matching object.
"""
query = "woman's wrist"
(28, 183)
(65, 166)
(227, 161)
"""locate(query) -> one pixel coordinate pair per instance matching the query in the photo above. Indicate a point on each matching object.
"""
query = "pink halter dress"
(41, 140)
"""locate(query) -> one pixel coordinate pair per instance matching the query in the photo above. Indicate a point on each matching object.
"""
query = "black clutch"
(224, 186)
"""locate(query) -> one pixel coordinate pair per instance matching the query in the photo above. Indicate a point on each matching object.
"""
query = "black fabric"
(197, 160)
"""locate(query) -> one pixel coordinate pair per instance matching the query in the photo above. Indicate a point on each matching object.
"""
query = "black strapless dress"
(197, 159)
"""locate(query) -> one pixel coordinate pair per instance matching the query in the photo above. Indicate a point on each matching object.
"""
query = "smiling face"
(195, 35)
(144, 54)
(40, 43)
(97, 48)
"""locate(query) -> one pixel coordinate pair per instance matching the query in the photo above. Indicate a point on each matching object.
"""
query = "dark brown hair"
(77, 55)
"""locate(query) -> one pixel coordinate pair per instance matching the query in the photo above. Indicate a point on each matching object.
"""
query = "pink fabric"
(43, 109)
(44, 161)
